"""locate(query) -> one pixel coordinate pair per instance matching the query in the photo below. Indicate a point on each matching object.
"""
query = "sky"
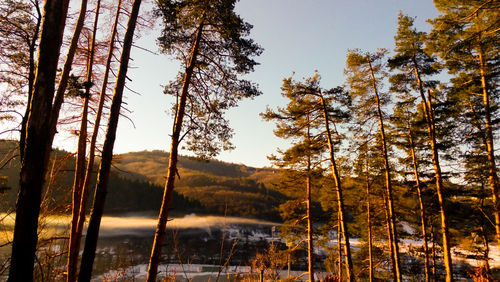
(298, 37)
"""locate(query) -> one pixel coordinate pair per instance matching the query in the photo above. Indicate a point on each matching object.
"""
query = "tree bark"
(63, 79)
(490, 149)
(310, 243)
(340, 197)
(429, 117)
(433, 240)
(369, 225)
(107, 151)
(339, 245)
(421, 204)
(31, 79)
(154, 259)
(38, 143)
(80, 174)
(390, 202)
(92, 147)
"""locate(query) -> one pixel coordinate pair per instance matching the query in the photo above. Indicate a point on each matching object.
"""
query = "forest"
(389, 176)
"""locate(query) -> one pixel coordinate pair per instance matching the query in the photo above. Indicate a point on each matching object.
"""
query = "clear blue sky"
(298, 36)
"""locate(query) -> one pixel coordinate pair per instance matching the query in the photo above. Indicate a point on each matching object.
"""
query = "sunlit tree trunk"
(421, 204)
(490, 150)
(38, 143)
(107, 151)
(393, 238)
(369, 225)
(340, 197)
(429, 117)
(339, 246)
(433, 240)
(439, 189)
(310, 243)
(80, 164)
(154, 259)
(486, 253)
(63, 78)
(92, 146)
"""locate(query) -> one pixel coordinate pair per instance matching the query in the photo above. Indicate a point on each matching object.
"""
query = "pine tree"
(298, 122)
(362, 70)
(211, 40)
(466, 36)
(331, 108)
(413, 65)
(409, 140)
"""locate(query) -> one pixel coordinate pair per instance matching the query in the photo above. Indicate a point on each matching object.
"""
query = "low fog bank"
(145, 224)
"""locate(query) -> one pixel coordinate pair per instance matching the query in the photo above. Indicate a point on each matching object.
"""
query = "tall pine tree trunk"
(154, 259)
(37, 143)
(369, 225)
(340, 197)
(490, 150)
(439, 188)
(92, 147)
(63, 79)
(339, 245)
(310, 243)
(433, 240)
(393, 238)
(77, 191)
(431, 129)
(80, 168)
(389, 235)
(421, 204)
(31, 80)
(107, 151)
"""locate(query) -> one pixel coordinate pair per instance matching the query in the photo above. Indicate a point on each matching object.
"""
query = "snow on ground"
(193, 272)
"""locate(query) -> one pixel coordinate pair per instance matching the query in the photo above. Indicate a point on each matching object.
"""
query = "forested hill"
(136, 184)
(221, 188)
(152, 165)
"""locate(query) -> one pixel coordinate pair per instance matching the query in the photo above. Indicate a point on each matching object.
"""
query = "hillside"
(221, 188)
(124, 194)
(136, 184)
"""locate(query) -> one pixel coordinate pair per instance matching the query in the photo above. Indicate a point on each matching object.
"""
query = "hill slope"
(137, 183)
(221, 188)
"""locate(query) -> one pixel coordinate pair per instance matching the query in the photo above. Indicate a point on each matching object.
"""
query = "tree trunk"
(440, 192)
(77, 191)
(390, 202)
(340, 198)
(369, 225)
(433, 240)
(420, 202)
(63, 79)
(339, 245)
(107, 151)
(154, 259)
(389, 234)
(31, 80)
(79, 182)
(310, 245)
(490, 150)
(93, 141)
(38, 143)
(429, 117)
